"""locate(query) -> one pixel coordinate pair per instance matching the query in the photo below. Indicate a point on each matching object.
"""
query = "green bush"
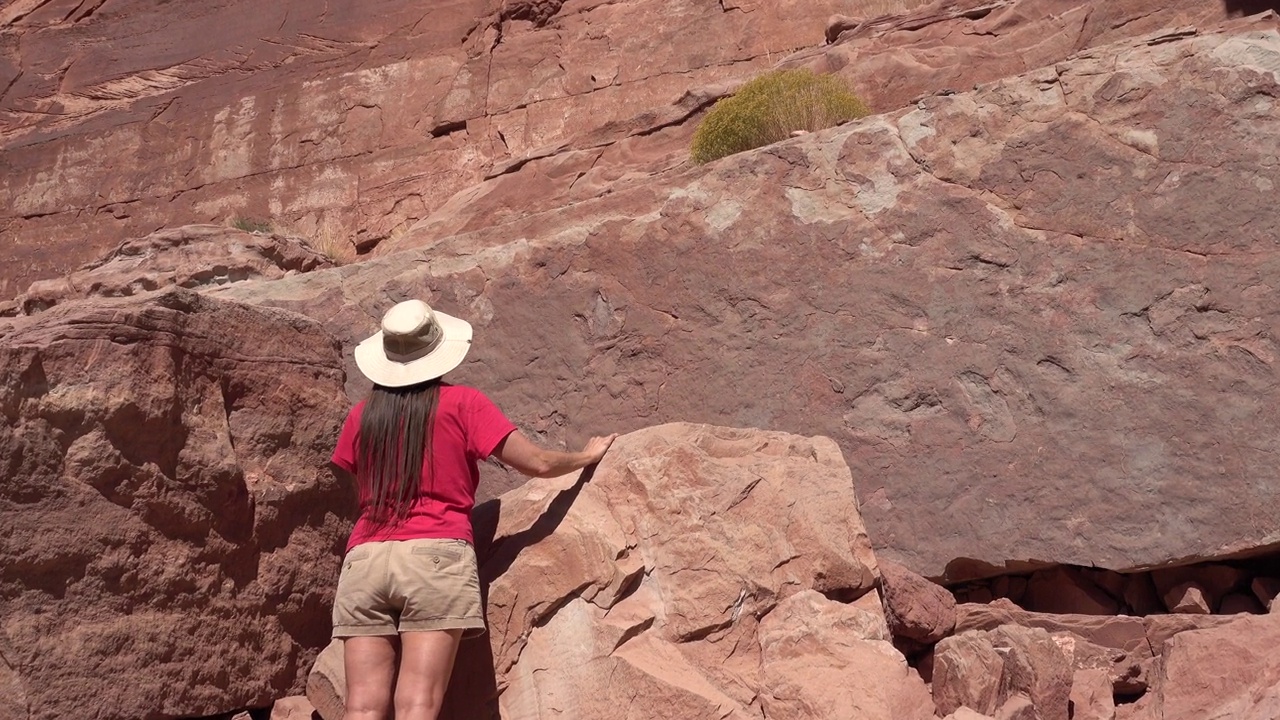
(770, 108)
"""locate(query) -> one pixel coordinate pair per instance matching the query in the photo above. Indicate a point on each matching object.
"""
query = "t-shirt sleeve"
(486, 426)
(344, 454)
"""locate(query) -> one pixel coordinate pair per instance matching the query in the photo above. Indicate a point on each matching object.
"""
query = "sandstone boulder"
(327, 683)
(948, 290)
(966, 673)
(1239, 603)
(1083, 655)
(1160, 629)
(967, 714)
(296, 707)
(1230, 671)
(1011, 672)
(656, 576)
(1212, 581)
(1119, 644)
(1118, 632)
(1266, 589)
(1034, 667)
(920, 613)
(1018, 707)
(1187, 598)
(1092, 695)
(817, 662)
(171, 532)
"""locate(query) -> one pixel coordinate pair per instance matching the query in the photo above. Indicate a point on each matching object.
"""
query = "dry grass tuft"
(773, 107)
(251, 225)
(334, 245)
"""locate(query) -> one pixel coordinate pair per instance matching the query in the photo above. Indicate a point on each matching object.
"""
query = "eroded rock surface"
(1010, 671)
(953, 45)
(1046, 304)
(170, 532)
(194, 256)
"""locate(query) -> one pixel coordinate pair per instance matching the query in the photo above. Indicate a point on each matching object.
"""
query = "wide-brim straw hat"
(415, 344)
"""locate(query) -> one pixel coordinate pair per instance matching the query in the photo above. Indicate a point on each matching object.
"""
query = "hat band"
(402, 349)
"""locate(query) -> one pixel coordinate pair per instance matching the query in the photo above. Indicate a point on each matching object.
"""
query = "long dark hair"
(395, 435)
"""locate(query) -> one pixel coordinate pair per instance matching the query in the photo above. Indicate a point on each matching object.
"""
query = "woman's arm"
(520, 453)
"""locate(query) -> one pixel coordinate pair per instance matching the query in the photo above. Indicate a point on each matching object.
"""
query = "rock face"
(351, 119)
(1046, 304)
(692, 575)
(952, 45)
(1042, 305)
(170, 531)
(941, 48)
(195, 256)
(358, 120)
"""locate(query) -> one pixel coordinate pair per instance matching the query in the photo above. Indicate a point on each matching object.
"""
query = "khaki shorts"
(407, 585)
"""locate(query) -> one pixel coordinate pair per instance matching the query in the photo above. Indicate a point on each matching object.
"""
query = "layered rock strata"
(351, 119)
(892, 61)
(192, 256)
(358, 120)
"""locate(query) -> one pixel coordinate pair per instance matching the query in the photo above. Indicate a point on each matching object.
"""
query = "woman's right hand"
(596, 447)
(517, 451)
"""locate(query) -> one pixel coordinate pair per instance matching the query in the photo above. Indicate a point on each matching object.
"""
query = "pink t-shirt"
(468, 427)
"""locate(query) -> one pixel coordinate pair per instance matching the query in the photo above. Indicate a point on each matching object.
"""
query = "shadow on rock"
(473, 689)
(1243, 8)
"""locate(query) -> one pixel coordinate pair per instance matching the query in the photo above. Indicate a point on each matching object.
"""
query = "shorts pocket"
(443, 553)
(358, 553)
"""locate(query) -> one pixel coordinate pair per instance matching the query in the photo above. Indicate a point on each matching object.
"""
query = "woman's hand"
(596, 447)
(520, 453)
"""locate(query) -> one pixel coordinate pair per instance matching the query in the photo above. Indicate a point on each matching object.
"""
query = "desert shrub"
(770, 108)
(251, 226)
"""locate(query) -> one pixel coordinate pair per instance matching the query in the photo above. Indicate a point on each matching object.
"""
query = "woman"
(409, 589)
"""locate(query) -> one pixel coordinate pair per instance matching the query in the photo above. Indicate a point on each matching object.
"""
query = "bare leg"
(425, 666)
(370, 664)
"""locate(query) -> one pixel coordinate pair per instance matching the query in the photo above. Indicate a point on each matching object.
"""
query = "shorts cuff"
(470, 626)
(346, 631)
